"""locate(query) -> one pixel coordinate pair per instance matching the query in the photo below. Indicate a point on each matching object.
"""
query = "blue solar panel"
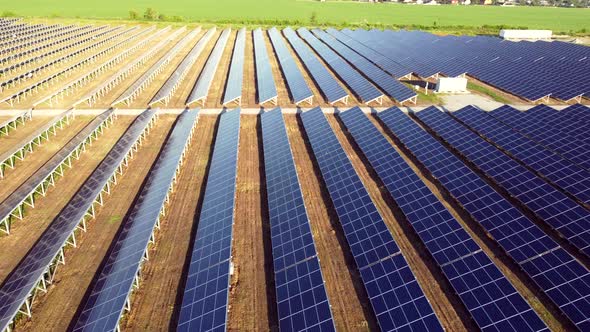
(235, 78)
(359, 85)
(265, 83)
(27, 275)
(108, 295)
(558, 210)
(380, 78)
(490, 298)
(555, 140)
(390, 66)
(205, 296)
(574, 124)
(301, 296)
(556, 273)
(395, 296)
(329, 87)
(572, 178)
(295, 81)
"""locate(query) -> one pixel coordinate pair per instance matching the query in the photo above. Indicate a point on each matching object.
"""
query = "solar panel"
(558, 210)
(489, 296)
(109, 293)
(11, 123)
(205, 296)
(33, 268)
(302, 301)
(201, 88)
(555, 140)
(359, 85)
(233, 90)
(380, 78)
(559, 275)
(298, 88)
(167, 90)
(575, 125)
(395, 296)
(329, 87)
(568, 176)
(390, 66)
(265, 83)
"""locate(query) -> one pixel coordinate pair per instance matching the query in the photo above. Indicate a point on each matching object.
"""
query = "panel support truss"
(9, 161)
(51, 178)
(12, 123)
(90, 214)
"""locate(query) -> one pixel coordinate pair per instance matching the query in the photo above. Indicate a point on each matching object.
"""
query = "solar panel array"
(25, 278)
(395, 296)
(298, 88)
(166, 91)
(380, 78)
(265, 83)
(564, 174)
(14, 204)
(302, 301)
(112, 287)
(572, 125)
(559, 275)
(487, 294)
(359, 85)
(201, 88)
(531, 70)
(558, 210)
(556, 140)
(327, 84)
(205, 296)
(235, 77)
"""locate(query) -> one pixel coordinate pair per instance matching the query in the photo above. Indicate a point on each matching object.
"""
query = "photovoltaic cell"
(265, 83)
(563, 173)
(235, 78)
(396, 298)
(558, 210)
(559, 275)
(361, 87)
(327, 84)
(115, 280)
(491, 299)
(205, 295)
(555, 140)
(302, 301)
(295, 81)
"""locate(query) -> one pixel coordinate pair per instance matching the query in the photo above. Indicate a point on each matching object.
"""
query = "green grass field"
(299, 12)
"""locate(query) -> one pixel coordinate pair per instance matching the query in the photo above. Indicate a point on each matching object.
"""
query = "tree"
(133, 14)
(150, 14)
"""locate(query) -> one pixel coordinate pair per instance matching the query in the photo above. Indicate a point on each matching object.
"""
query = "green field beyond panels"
(335, 12)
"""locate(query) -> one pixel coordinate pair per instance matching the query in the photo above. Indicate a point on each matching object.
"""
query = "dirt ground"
(54, 311)
(252, 299)
(153, 304)
(24, 233)
(7, 142)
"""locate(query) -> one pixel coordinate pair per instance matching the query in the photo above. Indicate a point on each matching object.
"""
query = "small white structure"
(526, 34)
(451, 85)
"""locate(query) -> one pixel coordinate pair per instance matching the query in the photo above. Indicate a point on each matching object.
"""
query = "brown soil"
(350, 307)
(153, 304)
(53, 311)
(25, 233)
(252, 299)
